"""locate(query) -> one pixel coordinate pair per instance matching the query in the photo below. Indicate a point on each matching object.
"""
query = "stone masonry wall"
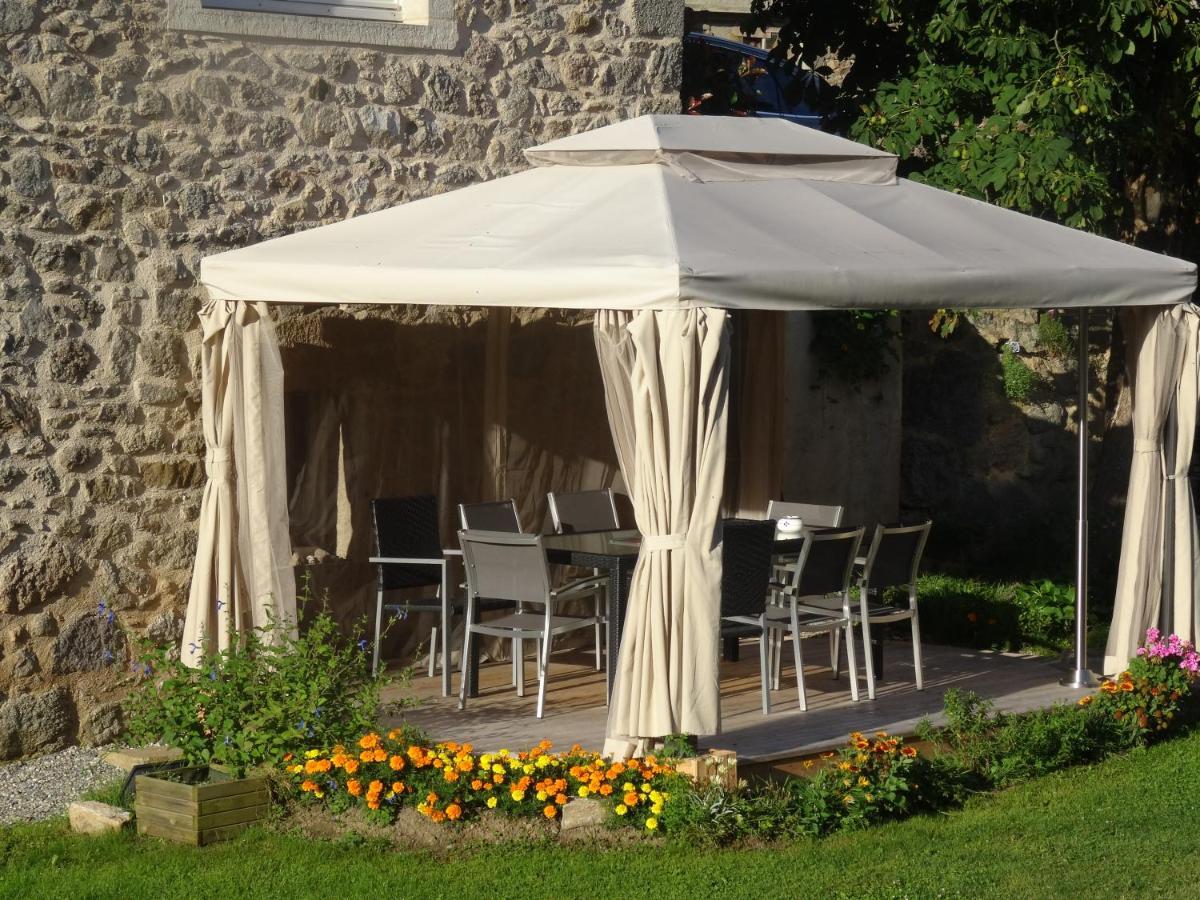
(127, 152)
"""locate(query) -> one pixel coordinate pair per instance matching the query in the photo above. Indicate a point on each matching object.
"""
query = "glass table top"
(601, 543)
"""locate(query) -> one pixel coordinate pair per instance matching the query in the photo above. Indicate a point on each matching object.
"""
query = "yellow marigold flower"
(528, 770)
(863, 782)
(627, 786)
(621, 809)
(312, 754)
(296, 769)
(645, 787)
(503, 752)
(541, 795)
(1084, 701)
(657, 809)
(491, 802)
(318, 794)
(518, 795)
(498, 769)
(583, 790)
(655, 797)
(651, 823)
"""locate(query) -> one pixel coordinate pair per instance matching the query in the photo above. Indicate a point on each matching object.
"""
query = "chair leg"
(519, 660)
(433, 651)
(835, 651)
(777, 650)
(465, 662)
(446, 602)
(543, 666)
(851, 660)
(596, 628)
(378, 625)
(865, 625)
(764, 667)
(799, 658)
(916, 635)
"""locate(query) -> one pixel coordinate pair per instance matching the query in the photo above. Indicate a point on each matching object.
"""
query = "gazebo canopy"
(670, 212)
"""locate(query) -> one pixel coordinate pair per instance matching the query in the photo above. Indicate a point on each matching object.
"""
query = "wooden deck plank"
(575, 710)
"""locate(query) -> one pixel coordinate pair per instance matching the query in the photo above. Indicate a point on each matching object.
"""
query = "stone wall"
(129, 151)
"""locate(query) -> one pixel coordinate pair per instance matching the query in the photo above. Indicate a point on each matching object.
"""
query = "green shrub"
(1047, 612)
(1019, 380)
(268, 694)
(1054, 336)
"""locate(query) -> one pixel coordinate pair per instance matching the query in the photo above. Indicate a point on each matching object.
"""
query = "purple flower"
(111, 617)
(107, 656)
(212, 674)
(147, 669)
(220, 603)
(362, 645)
(193, 647)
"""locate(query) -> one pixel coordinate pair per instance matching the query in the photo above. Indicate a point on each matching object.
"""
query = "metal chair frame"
(520, 625)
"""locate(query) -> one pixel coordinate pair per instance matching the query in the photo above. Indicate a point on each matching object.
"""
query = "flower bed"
(448, 781)
(1149, 695)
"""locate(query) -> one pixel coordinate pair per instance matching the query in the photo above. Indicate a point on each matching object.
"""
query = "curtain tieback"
(652, 543)
(1142, 445)
(217, 465)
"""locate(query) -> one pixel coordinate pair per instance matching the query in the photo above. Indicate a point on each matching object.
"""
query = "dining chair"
(510, 567)
(409, 555)
(812, 515)
(892, 561)
(824, 572)
(745, 579)
(572, 512)
(494, 515)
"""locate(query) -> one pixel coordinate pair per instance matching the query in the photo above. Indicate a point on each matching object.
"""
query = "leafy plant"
(1019, 380)
(1086, 112)
(854, 345)
(1151, 693)
(269, 693)
(943, 322)
(1054, 335)
(1047, 610)
(679, 746)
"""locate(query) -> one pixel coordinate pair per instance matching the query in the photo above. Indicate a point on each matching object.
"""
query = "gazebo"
(663, 225)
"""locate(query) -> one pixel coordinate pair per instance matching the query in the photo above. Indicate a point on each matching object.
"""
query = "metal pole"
(1081, 676)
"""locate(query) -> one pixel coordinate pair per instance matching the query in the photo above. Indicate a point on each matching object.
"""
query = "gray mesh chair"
(496, 515)
(892, 562)
(579, 511)
(823, 571)
(503, 566)
(790, 517)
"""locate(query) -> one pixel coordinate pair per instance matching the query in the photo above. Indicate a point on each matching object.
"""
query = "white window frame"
(379, 10)
(407, 24)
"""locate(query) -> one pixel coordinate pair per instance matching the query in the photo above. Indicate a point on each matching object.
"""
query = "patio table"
(613, 552)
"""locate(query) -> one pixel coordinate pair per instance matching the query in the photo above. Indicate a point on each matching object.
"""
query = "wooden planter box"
(718, 766)
(198, 805)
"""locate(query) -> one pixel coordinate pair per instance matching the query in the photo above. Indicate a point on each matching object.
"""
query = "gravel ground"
(41, 788)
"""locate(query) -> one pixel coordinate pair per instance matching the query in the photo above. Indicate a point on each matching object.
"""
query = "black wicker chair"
(746, 550)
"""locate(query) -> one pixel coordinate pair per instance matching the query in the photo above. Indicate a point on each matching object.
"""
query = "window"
(410, 24)
(386, 10)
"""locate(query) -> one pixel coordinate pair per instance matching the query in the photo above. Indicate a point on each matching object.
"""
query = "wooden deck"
(575, 710)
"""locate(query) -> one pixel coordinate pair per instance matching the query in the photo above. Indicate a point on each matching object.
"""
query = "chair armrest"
(452, 551)
(406, 561)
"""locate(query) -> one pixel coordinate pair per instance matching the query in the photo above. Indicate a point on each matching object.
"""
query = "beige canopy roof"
(670, 212)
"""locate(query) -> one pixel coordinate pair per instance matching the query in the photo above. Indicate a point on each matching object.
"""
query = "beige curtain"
(1185, 573)
(666, 386)
(242, 577)
(1157, 340)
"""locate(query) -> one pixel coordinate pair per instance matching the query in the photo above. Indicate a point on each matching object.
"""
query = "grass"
(1117, 829)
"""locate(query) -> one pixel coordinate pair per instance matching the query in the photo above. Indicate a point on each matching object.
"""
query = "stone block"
(89, 643)
(583, 812)
(92, 817)
(36, 723)
(17, 15)
(658, 18)
(126, 759)
(103, 725)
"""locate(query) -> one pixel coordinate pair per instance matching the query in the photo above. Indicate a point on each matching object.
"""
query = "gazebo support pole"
(1081, 676)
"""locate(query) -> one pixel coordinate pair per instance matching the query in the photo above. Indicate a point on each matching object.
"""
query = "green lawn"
(1120, 829)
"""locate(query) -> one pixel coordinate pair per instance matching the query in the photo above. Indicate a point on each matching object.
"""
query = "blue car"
(723, 77)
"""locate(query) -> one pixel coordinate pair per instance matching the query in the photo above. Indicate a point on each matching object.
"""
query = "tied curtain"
(242, 577)
(1159, 509)
(666, 386)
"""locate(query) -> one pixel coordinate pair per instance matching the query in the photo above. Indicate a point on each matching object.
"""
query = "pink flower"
(1152, 635)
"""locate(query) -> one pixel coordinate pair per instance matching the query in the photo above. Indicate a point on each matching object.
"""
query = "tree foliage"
(1086, 112)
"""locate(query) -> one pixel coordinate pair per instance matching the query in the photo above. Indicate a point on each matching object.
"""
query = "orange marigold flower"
(367, 755)
(450, 775)
(380, 754)
(605, 790)
(367, 741)
(631, 798)
(394, 734)
(308, 785)
(310, 766)
(550, 811)
(398, 787)
(351, 766)
(354, 786)
(397, 763)
(910, 752)
(376, 785)
(476, 784)
(497, 778)
(560, 799)
(287, 757)
(437, 815)
(453, 812)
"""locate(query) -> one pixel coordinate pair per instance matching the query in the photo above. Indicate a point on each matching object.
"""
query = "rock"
(34, 723)
(17, 15)
(1045, 416)
(41, 570)
(659, 18)
(131, 757)
(383, 127)
(583, 812)
(30, 175)
(70, 361)
(92, 817)
(104, 724)
(166, 628)
(42, 625)
(580, 22)
(90, 643)
(26, 663)
(70, 96)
